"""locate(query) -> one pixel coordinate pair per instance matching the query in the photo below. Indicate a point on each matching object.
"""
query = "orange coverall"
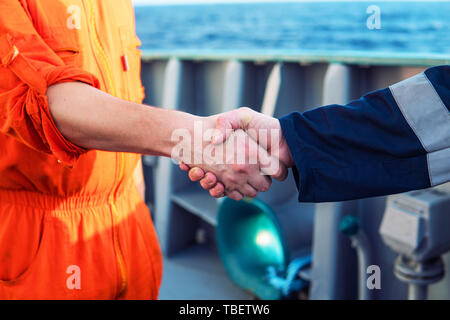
(72, 223)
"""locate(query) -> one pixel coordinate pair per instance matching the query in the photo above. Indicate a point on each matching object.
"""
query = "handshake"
(234, 154)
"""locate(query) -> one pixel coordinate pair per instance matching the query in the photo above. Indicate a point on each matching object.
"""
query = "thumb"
(224, 127)
(227, 122)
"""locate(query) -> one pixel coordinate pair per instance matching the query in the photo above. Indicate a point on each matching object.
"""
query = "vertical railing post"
(163, 178)
(233, 85)
(331, 251)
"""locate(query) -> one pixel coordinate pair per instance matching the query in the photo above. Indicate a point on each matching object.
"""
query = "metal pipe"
(417, 292)
(361, 244)
(350, 227)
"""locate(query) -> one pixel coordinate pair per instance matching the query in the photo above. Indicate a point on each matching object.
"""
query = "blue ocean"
(410, 27)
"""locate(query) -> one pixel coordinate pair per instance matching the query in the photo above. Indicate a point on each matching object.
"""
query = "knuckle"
(231, 196)
(252, 194)
(220, 189)
(210, 178)
(231, 180)
(265, 187)
(244, 109)
(240, 168)
(195, 174)
(216, 194)
(237, 197)
(220, 121)
(279, 174)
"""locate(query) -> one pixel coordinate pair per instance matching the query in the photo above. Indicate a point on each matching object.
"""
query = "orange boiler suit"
(73, 225)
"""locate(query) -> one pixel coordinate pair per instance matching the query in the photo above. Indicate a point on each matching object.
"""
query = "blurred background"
(206, 57)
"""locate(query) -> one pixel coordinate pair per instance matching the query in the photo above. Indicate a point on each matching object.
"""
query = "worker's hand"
(263, 129)
(238, 162)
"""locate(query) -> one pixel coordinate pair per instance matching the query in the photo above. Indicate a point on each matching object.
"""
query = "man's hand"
(265, 130)
(238, 162)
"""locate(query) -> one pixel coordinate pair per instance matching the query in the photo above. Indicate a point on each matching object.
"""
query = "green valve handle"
(349, 225)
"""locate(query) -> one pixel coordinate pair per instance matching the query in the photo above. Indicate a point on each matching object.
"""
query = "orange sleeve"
(28, 66)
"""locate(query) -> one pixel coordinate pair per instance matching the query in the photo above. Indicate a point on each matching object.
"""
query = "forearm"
(93, 119)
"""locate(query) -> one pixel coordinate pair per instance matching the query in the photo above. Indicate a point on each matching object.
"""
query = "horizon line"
(213, 2)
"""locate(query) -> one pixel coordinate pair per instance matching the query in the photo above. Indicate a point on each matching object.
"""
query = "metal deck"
(197, 274)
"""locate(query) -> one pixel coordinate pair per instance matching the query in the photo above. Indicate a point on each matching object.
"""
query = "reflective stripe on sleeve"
(439, 166)
(428, 117)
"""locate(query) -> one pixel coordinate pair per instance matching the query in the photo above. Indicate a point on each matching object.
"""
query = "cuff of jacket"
(301, 171)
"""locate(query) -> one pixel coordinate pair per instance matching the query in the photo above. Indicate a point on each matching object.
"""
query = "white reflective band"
(429, 118)
(424, 111)
(439, 166)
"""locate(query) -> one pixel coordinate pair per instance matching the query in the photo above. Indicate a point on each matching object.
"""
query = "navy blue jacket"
(392, 140)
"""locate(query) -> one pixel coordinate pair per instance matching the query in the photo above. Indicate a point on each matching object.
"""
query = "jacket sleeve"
(390, 141)
(28, 67)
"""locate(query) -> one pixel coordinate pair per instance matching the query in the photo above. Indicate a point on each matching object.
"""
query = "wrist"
(289, 160)
(187, 137)
(186, 129)
(200, 135)
(161, 130)
(285, 151)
